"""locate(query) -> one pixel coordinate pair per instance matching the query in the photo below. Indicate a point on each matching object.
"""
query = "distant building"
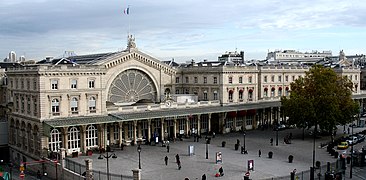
(292, 56)
(22, 58)
(235, 57)
(12, 56)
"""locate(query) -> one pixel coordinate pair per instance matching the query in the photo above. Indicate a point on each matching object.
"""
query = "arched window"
(240, 94)
(54, 140)
(231, 95)
(74, 105)
(91, 136)
(265, 94)
(287, 91)
(92, 105)
(74, 139)
(272, 92)
(250, 95)
(55, 107)
(280, 91)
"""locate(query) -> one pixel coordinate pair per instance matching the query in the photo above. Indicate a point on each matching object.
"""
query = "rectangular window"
(177, 80)
(293, 78)
(195, 80)
(279, 78)
(74, 84)
(187, 79)
(230, 80)
(204, 80)
(240, 80)
(272, 78)
(204, 95)
(91, 84)
(177, 91)
(250, 79)
(286, 78)
(28, 84)
(34, 84)
(265, 79)
(215, 95)
(54, 84)
(35, 110)
(215, 80)
(22, 84)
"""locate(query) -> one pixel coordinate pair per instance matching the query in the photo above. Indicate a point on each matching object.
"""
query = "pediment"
(137, 55)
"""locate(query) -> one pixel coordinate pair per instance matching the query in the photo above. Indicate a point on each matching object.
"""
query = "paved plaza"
(234, 163)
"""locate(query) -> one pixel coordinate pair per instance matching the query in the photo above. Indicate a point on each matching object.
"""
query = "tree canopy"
(320, 98)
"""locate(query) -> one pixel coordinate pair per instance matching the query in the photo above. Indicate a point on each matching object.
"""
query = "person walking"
(167, 148)
(166, 160)
(177, 158)
(259, 153)
(221, 171)
(179, 165)
(204, 177)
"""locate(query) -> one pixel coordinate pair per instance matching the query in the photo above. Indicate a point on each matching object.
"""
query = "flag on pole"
(126, 11)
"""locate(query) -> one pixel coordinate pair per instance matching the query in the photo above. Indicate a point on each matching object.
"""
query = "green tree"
(321, 99)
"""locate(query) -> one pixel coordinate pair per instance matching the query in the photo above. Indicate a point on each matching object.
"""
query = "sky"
(183, 30)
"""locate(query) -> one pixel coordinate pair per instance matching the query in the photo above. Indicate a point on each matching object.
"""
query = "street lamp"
(139, 151)
(244, 141)
(206, 147)
(350, 170)
(277, 136)
(101, 156)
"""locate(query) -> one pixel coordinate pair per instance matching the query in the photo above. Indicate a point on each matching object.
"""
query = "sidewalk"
(234, 163)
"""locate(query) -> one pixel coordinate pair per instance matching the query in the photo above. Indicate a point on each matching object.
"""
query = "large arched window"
(250, 95)
(91, 136)
(74, 105)
(74, 139)
(54, 140)
(231, 95)
(265, 94)
(92, 105)
(280, 91)
(272, 92)
(240, 94)
(55, 107)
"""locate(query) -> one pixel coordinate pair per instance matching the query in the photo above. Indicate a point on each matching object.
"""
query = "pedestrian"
(166, 160)
(221, 171)
(204, 177)
(271, 140)
(167, 148)
(259, 153)
(179, 165)
(177, 158)
(39, 175)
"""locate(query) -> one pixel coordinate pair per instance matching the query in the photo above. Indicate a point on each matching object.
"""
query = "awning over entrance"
(181, 112)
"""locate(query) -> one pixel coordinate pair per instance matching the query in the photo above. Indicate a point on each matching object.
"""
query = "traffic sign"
(21, 168)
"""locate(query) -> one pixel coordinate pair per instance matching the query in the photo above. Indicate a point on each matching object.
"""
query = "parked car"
(352, 140)
(343, 145)
(360, 137)
(279, 127)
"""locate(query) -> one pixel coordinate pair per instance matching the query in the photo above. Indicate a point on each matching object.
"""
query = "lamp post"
(139, 151)
(244, 141)
(277, 136)
(206, 147)
(350, 169)
(107, 156)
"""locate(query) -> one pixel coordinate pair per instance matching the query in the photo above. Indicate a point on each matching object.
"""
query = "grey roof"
(83, 59)
(119, 117)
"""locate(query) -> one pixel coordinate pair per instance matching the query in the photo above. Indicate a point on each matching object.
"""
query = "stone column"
(111, 134)
(65, 138)
(120, 133)
(209, 122)
(149, 130)
(100, 135)
(162, 132)
(89, 169)
(187, 125)
(83, 138)
(199, 124)
(136, 174)
(134, 131)
(175, 128)
(234, 121)
(222, 118)
(63, 156)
